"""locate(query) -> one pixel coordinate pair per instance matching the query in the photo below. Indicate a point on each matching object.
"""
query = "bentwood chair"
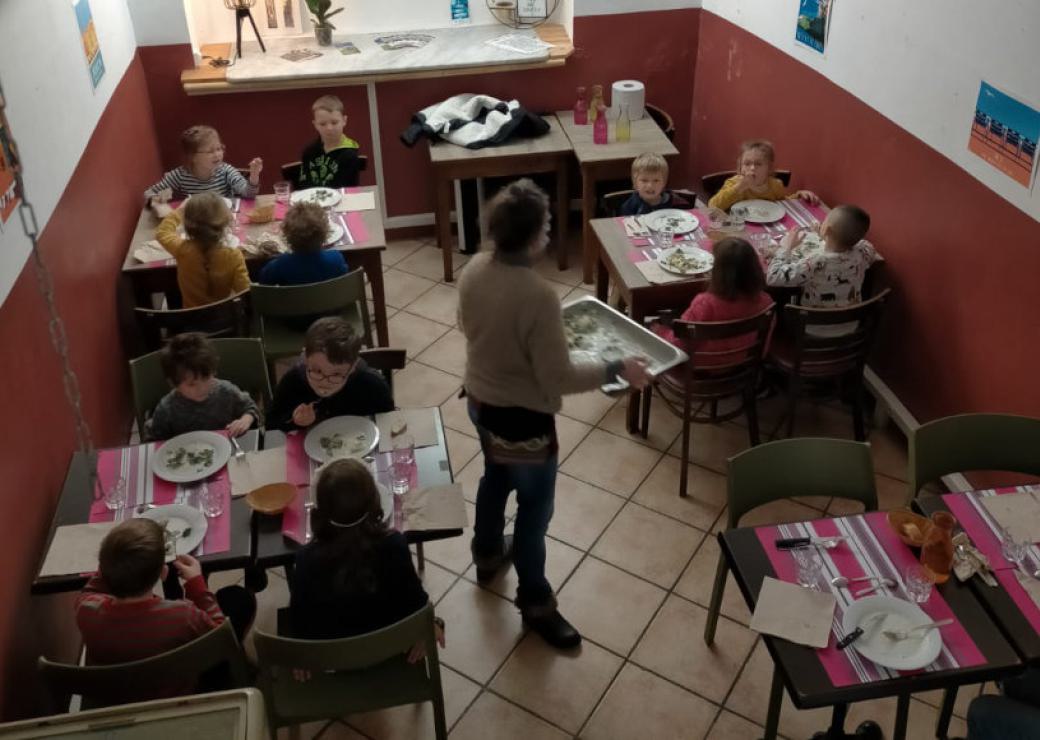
(610, 204)
(352, 674)
(712, 183)
(663, 119)
(970, 442)
(141, 680)
(226, 318)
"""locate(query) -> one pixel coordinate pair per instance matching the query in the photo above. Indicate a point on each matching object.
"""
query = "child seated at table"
(331, 161)
(649, 181)
(736, 291)
(356, 575)
(331, 380)
(207, 271)
(204, 171)
(121, 619)
(306, 229)
(832, 278)
(199, 399)
(754, 179)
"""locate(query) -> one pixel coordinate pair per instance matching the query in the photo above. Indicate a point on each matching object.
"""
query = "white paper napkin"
(797, 614)
(74, 549)
(421, 426)
(356, 202)
(151, 251)
(1031, 586)
(1018, 513)
(256, 469)
(654, 273)
(439, 507)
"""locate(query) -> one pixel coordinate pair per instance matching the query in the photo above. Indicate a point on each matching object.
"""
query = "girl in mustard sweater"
(754, 179)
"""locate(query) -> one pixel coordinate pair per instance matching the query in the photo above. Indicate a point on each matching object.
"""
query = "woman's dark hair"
(348, 525)
(517, 215)
(737, 273)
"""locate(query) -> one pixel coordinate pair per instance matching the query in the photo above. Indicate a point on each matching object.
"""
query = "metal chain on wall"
(55, 324)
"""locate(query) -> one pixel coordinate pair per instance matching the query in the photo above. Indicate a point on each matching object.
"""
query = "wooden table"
(607, 162)
(141, 280)
(77, 496)
(434, 469)
(548, 153)
(798, 668)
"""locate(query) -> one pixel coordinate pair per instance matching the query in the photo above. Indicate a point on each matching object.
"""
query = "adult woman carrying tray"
(517, 370)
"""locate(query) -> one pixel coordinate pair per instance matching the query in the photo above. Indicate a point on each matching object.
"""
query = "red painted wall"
(961, 333)
(83, 244)
(656, 47)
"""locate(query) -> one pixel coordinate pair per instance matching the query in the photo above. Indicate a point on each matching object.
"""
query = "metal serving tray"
(595, 331)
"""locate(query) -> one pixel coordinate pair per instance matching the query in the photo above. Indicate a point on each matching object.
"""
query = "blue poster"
(88, 35)
(460, 11)
(814, 18)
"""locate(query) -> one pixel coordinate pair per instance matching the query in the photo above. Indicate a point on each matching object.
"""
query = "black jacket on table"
(318, 612)
(338, 168)
(364, 394)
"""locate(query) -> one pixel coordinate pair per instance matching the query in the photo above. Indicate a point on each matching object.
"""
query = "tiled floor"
(632, 564)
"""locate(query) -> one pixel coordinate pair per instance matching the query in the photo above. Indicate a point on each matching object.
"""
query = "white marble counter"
(463, 46)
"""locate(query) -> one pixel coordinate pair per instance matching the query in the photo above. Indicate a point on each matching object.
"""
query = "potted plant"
(320, 16)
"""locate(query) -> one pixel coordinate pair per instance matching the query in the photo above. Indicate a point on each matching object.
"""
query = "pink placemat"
(134, 465)
(871, 548)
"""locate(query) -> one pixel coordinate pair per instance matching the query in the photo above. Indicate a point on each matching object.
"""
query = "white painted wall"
(611, 7)
(919, 64)
(51, 106)
(160, 22)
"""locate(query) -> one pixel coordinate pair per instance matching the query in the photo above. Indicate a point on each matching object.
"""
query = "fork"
(240, 455)
(921, 628)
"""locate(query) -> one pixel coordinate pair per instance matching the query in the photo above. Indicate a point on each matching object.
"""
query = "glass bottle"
(937, 550)
(600, 127)
(596, 102)
(623, 129)
(581, 109)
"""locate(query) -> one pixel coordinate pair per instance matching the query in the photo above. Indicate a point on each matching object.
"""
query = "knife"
(859, 631)
(793, 543)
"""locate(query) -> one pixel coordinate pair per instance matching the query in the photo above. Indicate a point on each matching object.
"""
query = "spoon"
(842, 581)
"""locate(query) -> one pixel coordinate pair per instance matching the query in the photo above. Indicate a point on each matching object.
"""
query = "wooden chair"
(711, 376)
(226, 318)
(791, 467)
(141, 680)
(711, 184)
(970, 442)
(351, 675)
(810, 350)
(385, 360)
(241, 362)
(610, 204)
(663, 120)
(291, 170)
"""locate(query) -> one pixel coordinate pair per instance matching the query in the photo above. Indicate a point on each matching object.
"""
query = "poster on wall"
(814, 20)
(1004, 133)
(8, 163)
(90, 41)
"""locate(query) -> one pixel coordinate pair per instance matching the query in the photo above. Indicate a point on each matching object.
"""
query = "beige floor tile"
(580, 292)
(415, 721)
(640, 704)
(560, 562)
(561, 289)
(493, 717)
(921, 724)
(699, 578)
(673, 648)
(268, 602)
(562, 687)
(892, 493)
(964, 696)
(428, 262)
(711, 445)
(448, 353)
(453, 553)
(481, 629)
(608, 606)
(547, 267)
(611, 462)
(461, 449)
(648, 544)
(588, 407)
(440, 303)
(401, 288)
(470, 477)
(570, 433)
(581, 512)
(729, 726)
(398, 249)
(420, 386)
(705, 493)
(218, 579)
(664, 425)
(413, 333)
(455, 416)
(889, 448)
(436, 580)
(338, 731)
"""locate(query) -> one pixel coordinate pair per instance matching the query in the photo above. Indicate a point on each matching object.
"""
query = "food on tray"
(265, 244)
(262, 214)
(685, 262)
(577, 327)
(198, 456)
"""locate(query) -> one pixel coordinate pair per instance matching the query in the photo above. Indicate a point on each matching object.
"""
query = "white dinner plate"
(324, 197)
(682, 222)
(702, 260)
(357, 437)
(179, 518)
(184, 459)
(898, 614)
(759, 211)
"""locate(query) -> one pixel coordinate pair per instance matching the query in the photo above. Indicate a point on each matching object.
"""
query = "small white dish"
(901, 655)
(682, 222)
(759, 211)
(178, 519)
(341, 436)
(686, 260)
(191, 457)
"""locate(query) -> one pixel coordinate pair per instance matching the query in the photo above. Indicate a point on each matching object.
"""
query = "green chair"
(281, 312)
(350, 675)
(241, 362)
(807, 466)
(225, 318)
(966, 442)
(141, 680)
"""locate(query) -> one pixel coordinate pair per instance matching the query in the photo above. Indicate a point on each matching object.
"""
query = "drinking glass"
(918, 582)
(663, 238)
(115, 495)
(716, 218)
(403, 449)
(1011, 549)
(809, 567)
(402, 460)
(211, 502)
(281, 191)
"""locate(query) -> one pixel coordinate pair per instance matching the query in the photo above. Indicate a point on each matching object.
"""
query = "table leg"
(443, 218)
(374, 272)
(420, 557)
(588, 210)
(637, 312)
(902, 715)
(602, 277)
(562, 211)
(776, 694)
(942, 727)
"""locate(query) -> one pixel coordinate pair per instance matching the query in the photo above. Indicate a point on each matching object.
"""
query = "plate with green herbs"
(324, 197)
(191, 457)
(184, 527)
(341, 436)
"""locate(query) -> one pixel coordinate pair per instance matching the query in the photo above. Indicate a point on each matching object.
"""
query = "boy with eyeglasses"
(330, 381)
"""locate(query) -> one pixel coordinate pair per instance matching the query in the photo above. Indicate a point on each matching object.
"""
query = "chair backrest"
(712, 183)
(102, 685)
(611, 203)
(291, 170)
(806, 466)
(385, 360)
(832, 341)
(662, 118)
(968, 442)
(226, 318)
(241, 362)
(328, 297)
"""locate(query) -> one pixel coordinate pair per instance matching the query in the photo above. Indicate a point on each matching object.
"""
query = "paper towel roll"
(631, 93)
